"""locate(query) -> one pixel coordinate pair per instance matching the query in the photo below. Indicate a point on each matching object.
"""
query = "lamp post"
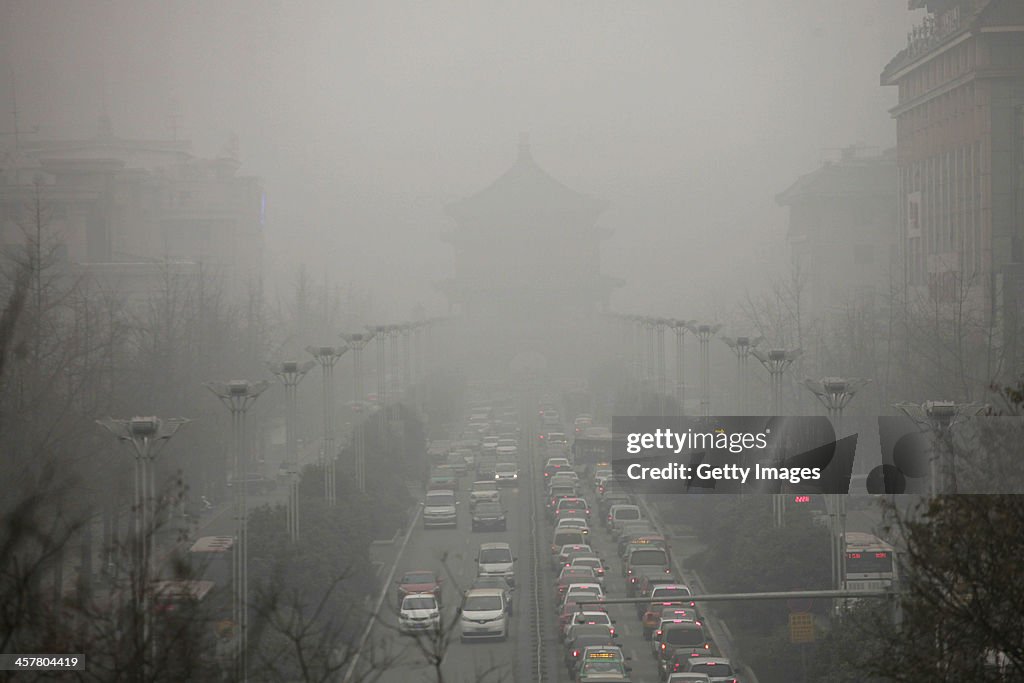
(680, 327)
(327, 356)
(704, 334)
(381, 333)
(775, 362)
(659, 325)
(835, 393)
(147, 435)
(940, 417)
(741, 346)
(357, 341)
(290, 373)
(239, 395)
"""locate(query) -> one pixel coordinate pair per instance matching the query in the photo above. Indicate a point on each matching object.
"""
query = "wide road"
(452, 553)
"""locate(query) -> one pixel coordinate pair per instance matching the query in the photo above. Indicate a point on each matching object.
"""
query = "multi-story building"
(960, 154)
(842, 225)
(107, 202)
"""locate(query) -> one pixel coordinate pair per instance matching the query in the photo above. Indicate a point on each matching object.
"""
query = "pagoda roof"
(525, 189)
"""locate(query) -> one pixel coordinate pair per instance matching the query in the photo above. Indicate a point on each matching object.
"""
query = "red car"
(419, 581)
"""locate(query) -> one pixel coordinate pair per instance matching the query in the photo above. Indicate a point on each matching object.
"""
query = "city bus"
(870, 562)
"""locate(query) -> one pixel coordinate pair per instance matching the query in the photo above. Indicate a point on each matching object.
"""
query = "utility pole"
(357, 341)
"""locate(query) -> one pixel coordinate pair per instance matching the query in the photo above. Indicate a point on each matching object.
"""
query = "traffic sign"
(801, 627)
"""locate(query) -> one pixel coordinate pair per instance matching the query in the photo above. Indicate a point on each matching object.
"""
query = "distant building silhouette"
(130, 207)
(842, 229)
(527, 257)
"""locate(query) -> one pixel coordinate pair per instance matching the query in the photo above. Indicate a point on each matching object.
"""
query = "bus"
(870, 563)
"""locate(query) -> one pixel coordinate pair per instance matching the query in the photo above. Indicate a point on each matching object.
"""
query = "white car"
(564, 478)
(484, 491)
(507, 448)
(594, 563)
(688, 678)
(489, 443)
(419, 612)
(484, 614)
(717, 669)
(600, 618)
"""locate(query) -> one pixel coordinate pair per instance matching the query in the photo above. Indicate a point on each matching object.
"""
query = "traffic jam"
(595, 542)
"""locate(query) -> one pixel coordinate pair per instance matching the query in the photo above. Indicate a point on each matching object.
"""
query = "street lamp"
(680, 327)
(381, 333)
(775, 362)
(835, 393)
(239, 395)
(741, 346)
(704, 334)
(147, 436)
(357, 341)
(291, 373)
(939, 417)
(327, 356)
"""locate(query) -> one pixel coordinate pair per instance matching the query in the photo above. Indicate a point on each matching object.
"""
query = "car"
(668, 614)
(489, 444)
(563, 478)
(635, 537)
(570, 575)
(562, 557)
(717, 669)
(483, 614)
(665, 594)
(593, 563)
(602, 665)
(647, 556)
(684, 638)
(496, 559)
(489, 516)
(572, 503)
(619, 514)
(554, 465)
(689, 677)
(507, 448)
(286, 469)
(456, 460)
(573, 523)
(678, 664)
(555, 494)
(562, 538)
(506, 474)
(418, 582)
(443, 478)
(440, 509)
(587, 617)
(654, 574)
(419, 612)
(585, 636)
(499, 582)
(485, 464)
(571, 607)
(605, 501)
(482, 491)
(666, 622)
(586, 585)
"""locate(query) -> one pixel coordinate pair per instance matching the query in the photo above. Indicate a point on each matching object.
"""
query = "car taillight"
(575, 653)
(657, 634)
(664, 647)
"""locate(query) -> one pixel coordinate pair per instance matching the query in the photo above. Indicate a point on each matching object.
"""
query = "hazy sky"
(365, 118)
